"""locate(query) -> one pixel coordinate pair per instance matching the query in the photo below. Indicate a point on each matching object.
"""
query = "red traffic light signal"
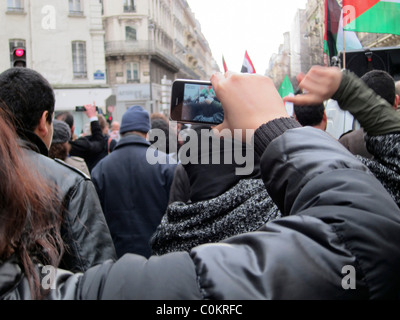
(19, 57)
(19, 52)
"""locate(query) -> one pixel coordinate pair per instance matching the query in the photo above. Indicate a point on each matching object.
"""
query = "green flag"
(286, 87)
(375, 16)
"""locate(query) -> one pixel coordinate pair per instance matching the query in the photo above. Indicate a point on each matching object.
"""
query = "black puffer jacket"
(341, 218)
(84, 228)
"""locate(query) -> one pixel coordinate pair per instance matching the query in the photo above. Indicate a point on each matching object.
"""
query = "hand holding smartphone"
(83, 109)
(194, 101)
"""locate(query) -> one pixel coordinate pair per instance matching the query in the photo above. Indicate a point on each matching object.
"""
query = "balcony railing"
(128, 47)
(144, 47)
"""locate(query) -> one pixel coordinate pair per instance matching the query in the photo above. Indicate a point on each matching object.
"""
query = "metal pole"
(344, 49)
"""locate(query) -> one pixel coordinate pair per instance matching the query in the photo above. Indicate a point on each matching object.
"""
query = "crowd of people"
(313, 219)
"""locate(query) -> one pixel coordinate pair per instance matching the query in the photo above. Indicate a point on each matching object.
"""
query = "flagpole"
(344, 49)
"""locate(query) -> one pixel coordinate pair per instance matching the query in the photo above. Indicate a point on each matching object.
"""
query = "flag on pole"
(286, 87)
(224, 64)
(332, 18)
(351, 40)
(247, 66)
(374, 16)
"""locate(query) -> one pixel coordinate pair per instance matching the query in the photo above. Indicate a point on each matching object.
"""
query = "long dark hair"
(30, 211)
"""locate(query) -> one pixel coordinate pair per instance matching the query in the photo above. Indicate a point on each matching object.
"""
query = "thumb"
(300, 77)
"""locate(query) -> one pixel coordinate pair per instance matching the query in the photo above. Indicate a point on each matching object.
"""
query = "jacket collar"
(130, 139)
(30, 140)
(10, 276)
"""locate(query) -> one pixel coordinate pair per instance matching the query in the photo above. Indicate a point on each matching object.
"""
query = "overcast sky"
(233, 26)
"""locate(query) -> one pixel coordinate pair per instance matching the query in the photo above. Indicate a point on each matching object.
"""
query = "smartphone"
(83, 109)
(194, 101)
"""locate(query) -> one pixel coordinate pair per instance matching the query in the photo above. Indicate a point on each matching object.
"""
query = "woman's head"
(29, 208)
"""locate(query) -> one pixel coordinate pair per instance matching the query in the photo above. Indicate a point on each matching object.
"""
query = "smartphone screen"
(195, 102)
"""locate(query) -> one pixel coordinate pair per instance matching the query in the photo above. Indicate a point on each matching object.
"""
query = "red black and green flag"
(375, 16)
(332, 19)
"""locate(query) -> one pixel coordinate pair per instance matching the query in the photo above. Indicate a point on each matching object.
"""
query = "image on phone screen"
(200, 104)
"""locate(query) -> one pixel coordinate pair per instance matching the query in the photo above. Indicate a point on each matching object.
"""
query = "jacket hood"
(10, 276)
(210, 178)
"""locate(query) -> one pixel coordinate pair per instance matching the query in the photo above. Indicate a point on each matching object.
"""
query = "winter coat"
(84, 228)
(92, 148)
(354, 142)
(381, 124)
(133, 193)
(78, 163)
(340, 240)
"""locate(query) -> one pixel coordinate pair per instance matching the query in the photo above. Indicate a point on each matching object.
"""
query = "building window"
(79, 59)
(132, 72)
(15, 5)
(129, 6)
(75, 8)
(130, 34)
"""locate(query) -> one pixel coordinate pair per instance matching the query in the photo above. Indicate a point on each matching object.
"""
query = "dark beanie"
(61, 132)
(135, 119)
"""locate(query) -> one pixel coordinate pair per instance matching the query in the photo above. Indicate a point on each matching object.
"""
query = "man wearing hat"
(134, 194)
(60, 147)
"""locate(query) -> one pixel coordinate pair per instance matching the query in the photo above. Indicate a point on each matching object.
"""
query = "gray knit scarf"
(385, 164)
(244, 208)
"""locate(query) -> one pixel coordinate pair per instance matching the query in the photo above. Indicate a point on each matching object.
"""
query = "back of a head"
(311, 115)
(159, 124)
(103, 122)
(382, 83)
(209, 178)
(28, 94)
(158, 115)
(115, 126)
(135, 119)
(67, 117)
(61, 134)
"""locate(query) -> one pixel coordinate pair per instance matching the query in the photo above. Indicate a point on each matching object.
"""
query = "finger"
(300, 77)
(311, 84)
(217, 129)
(303, 99)
(216, 78)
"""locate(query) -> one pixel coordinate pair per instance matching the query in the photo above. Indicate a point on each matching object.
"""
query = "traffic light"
(109, 119)
(19, 57)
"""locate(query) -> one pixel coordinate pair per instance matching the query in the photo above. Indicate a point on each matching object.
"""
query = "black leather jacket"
(342, 228)
(84, 229)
